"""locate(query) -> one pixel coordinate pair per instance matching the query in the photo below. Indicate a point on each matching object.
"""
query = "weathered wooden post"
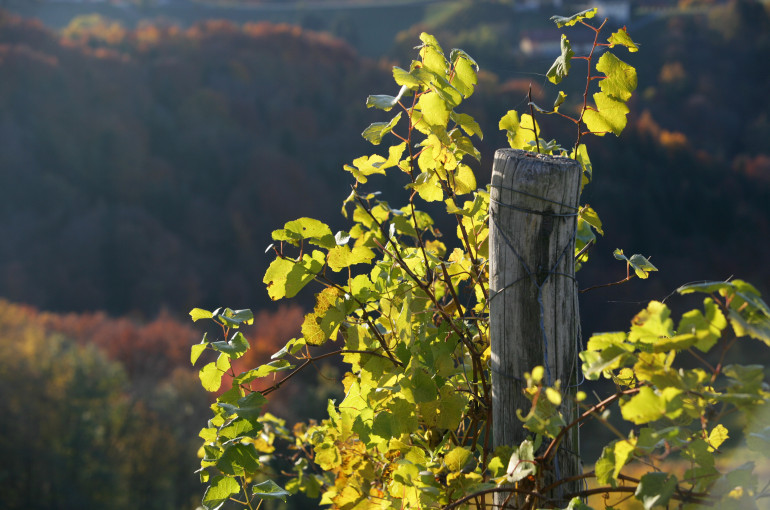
(533, 292)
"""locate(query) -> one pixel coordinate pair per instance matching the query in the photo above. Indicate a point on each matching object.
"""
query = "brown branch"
(624, 280)
(551, 450)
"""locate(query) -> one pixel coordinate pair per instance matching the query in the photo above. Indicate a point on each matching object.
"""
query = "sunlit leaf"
(560, 68)
(655, 489)
(521, 463)
(384, 102)
(269, 490)
(238, 460)
(198, 314)
(608, 117)
(620, 78)
(220, 490)
(377, 130)
(621, 38)
(562, 21)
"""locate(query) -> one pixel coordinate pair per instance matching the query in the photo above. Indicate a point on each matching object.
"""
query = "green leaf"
(234, 348)
(705, 287)
(239, 460)
(248, 407)
(237, 429)
(220, 490)
(589, 216)
(520, 133)
(428, 185)
(300, 229)
(432, 55)
(365, 166)
(434, 108)
(211, 374)
(608, 117)
(263, 371)
(198, 314)
(652, 323)
(605, 466)
(463, 180)
(197, 349)
(322, 324)
(270, 490)
(562, 21)
(406, 79)
(465, 68)
(384, 102)
(621, 38)
(341, 257)
(286, 277)
(717, 436)
(457, 458)
(522, 464)
(577, 504)
(377, 130)
(560, 68)
(581, 156)
(705, 330)
(655, 489)
(559, 101)
(640, 264)
(644, 407)
(620, 78)
(467, 123)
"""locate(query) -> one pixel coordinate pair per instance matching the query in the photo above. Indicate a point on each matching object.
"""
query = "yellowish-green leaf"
(463, 181)
(428, 186)
(341, 257)
(520, 132)
(717, 436)
(457, 458)
(434, 109)
(211, 374)
(559, 101)
(197, 350)
(560, 68)
(644, 407)
(198, 314)
(620, 80)
(468, 124)
(220, 490)
(286, 277)
(465, 73)
(384, 102)
(377, 130)
(568, 21)
(609, 116)
(621, 38)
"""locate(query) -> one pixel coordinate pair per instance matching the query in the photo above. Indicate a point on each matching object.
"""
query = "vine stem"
(589, 78)
(619, 282)
(551, 450)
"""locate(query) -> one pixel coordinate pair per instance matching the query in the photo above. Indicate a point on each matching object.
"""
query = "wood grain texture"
(534, 200)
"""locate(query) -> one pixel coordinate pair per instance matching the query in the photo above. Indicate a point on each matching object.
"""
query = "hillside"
(142, 169)
(145, 168)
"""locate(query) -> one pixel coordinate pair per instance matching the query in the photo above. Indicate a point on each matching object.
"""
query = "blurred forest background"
(149, 147)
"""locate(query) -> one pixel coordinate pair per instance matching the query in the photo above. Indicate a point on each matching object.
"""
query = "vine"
(407, 312)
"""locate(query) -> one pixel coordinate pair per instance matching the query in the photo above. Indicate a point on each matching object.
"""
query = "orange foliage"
(668, 139)
(153, 349)
(269, 334)
(757, 167)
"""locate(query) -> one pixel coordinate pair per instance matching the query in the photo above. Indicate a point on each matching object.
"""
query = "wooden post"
(533, 309)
